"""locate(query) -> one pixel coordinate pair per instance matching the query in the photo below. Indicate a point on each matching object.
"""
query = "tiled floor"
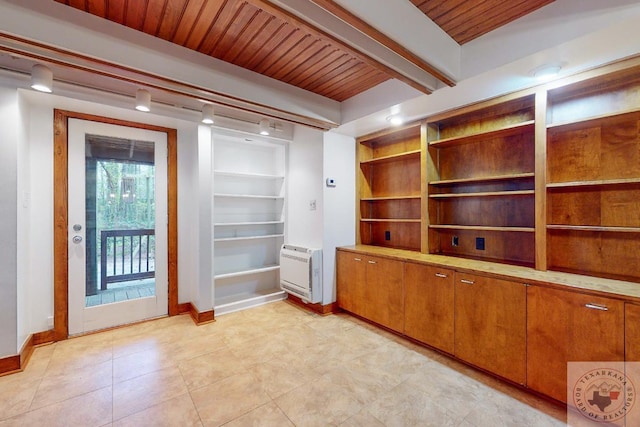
(275, 365)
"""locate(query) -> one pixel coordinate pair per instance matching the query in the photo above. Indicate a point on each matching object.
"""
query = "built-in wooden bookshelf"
(481, 186)
(547, 178)
(389, 186)
(593, 177)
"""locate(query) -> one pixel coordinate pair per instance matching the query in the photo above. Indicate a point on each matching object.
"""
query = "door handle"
(467, 282)
(597, 307)
(442, 275)
(77, 239)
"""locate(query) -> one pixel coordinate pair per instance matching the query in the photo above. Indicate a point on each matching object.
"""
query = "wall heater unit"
(301, 272)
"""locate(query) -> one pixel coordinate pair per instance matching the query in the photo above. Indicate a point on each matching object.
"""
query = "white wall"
(339, 205)
(203, 297)
(304, 183)
(9, 139)
(40, 135)
(23, 226)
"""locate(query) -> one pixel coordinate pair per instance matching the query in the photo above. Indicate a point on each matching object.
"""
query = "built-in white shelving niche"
(249, 220)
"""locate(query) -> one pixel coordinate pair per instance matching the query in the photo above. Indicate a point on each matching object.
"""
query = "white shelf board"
(234, 239)
(248, 175)
(247, 272)
(246, 196)
(236, 224)
(242, 301)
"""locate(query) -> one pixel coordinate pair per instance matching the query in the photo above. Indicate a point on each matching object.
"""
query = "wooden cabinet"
(564, 326)
(351, 282)
(593, 177)
(389, 186)
(372, 287)
(632, 332)
(490, 325)
(481, 184)
(429, 305)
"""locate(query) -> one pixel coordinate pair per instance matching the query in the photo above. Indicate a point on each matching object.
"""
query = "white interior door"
(117, 198)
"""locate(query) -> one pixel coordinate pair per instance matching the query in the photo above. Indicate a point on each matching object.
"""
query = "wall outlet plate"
(480, 243)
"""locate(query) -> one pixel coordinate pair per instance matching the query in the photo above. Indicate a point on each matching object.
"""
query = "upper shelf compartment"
(499, 132)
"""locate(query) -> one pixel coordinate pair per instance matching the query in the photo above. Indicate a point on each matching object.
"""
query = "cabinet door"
(632, 332)
(490, 325)
(564, 326)
(428, 305)
(351, 280)
(384, 293)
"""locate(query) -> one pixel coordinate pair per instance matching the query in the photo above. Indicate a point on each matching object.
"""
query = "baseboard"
(316, 308)
(12, 364)
(201, 317)
(185, 307)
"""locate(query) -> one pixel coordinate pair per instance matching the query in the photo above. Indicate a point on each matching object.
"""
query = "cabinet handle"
(468, 282)
(444, 276)
(372, 262)
(357, 259)
(597, 307)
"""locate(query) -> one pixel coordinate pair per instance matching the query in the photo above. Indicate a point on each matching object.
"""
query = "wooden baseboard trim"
(185, 307)
(45, 337)
(9, 365)
(201, 317)
(317, 308)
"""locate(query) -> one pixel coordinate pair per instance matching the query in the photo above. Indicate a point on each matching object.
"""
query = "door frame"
(60, 213)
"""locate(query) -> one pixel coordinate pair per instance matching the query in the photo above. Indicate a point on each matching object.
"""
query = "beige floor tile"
(362, 419)
(210, 368)
(140, 393)
(279, 377)
(229, 399)
(141, 363)
(16, 394)
(63, 386)
(80, 352)
(268, 415)
(320, 404)
(407, 406)
(178, 411)
(331, 370)
(87, 410)
(500, 410)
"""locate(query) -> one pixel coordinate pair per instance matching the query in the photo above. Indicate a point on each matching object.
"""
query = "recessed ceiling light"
(546, 71)
(395, 120)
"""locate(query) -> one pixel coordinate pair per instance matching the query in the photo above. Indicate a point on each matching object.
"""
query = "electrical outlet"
(312, 205)
(480, 243)
(455, 241)
(387, 235)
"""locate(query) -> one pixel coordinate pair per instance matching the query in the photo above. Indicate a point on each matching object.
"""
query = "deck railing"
(126, 255)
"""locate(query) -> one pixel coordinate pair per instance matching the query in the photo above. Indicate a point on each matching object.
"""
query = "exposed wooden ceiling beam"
(350, 19)
(289, 17)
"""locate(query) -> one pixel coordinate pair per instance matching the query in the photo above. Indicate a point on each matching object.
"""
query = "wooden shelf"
(603, 182)
(247, 175)
(382, 199)
(247, 196)
(482, 228)
(509, 177)
(397, 220)
(483, 194)
(591, 120)
(235, 239)
(475, 137)
(392, 158)
(248, 272)
(592, 228)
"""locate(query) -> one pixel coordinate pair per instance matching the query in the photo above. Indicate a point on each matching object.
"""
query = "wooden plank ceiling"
(465, 20)
(259, 36)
